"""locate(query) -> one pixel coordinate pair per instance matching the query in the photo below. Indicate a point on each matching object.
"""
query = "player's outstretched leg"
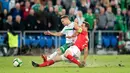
(54, 54)
(58, 58)
(47, 63)
(44, 64)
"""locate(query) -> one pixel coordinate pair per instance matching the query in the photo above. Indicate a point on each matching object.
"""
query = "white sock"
(52, 55)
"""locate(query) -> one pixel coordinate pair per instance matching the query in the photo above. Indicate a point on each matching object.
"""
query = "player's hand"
(46, 33)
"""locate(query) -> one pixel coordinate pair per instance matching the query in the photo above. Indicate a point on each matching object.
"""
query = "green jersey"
(36, 7)
(119, 23)
(90, 19)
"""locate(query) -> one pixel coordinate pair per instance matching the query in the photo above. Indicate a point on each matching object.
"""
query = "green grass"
(95, 64)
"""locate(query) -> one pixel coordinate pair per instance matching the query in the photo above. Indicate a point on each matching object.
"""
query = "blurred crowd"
(26, 15)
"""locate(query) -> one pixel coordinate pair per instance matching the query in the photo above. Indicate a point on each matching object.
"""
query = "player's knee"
(67, 53)
(58, 51)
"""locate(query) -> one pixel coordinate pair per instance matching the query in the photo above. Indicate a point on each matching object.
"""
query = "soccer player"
(80, 44)
(68, 30)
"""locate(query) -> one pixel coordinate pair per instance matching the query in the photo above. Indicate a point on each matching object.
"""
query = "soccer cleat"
(81, 65)
(34, 64)
(44, 58)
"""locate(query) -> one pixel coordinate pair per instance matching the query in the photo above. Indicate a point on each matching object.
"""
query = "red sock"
(48, 63)
(72, 59)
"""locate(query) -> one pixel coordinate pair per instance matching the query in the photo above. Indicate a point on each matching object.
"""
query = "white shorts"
(75, 52)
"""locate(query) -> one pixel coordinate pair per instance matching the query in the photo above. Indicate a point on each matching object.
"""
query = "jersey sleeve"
(63, 30)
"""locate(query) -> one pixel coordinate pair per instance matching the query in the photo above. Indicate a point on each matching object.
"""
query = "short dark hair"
(64, 16)
(86, 24)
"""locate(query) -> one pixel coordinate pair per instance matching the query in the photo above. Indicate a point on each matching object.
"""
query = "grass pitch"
(95, 64)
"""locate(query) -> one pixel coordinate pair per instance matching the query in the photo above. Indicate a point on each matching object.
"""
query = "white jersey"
(68, 31)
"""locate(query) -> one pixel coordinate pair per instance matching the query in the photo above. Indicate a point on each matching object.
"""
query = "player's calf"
(68, 55)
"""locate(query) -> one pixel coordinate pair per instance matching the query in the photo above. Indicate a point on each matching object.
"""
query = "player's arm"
(74, 35)
(53, 33)
(76, 27)
(78, 30)
(86, 51)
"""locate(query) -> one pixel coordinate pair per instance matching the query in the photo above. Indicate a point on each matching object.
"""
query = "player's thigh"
(68, 52)
(73, 50)
(63, 58)
(65, 47)
(59, 51)
(77, 54)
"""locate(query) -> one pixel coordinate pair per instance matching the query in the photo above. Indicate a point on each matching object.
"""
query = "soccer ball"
(17, 62)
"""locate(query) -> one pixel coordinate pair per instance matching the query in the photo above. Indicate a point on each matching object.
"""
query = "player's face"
(83, 26)
(64, 21)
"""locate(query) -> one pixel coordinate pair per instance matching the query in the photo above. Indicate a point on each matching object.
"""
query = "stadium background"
(29, 18)
(109, 23)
